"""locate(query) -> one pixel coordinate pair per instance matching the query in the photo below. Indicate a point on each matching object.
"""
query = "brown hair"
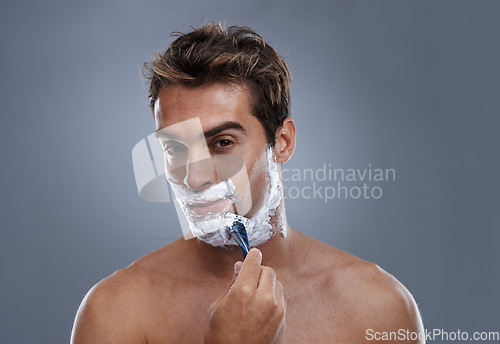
(213, 53)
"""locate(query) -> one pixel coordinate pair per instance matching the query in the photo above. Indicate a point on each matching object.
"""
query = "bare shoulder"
(116, 309)
(381, 302)
(107, 313)
(368, 294)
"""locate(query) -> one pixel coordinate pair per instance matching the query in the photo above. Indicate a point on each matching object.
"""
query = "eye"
(174, 148)
(223, 144)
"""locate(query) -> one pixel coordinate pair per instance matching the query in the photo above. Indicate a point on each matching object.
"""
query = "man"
(220, 99)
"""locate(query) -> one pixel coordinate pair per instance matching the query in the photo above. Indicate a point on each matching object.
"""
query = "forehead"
(211, 104)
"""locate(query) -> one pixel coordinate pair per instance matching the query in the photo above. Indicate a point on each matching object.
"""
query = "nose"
(200, 171)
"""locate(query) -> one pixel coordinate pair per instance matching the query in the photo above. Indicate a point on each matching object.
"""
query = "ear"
(285, 141)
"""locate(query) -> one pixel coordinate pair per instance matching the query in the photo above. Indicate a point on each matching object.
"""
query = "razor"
(238, 232)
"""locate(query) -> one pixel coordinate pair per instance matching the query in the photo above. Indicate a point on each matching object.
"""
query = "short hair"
(213, 54)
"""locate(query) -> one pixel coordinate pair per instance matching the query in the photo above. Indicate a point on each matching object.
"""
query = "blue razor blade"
(239, 234)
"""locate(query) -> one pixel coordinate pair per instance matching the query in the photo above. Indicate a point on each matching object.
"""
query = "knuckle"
(269, 270)
(280, 311)
(245, 291)
(268, 300)
(265, 302)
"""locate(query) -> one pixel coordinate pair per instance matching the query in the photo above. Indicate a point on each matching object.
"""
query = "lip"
(208, 207)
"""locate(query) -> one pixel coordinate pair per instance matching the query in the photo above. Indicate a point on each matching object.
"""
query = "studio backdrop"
(396, 105)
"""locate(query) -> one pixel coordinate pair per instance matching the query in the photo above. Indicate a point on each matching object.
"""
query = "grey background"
(409, 85)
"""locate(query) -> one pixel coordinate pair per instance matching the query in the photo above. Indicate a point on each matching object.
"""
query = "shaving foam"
(201, 225)
(213, 228)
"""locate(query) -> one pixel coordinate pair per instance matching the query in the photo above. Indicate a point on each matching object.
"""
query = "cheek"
(251, 185)
(258, 185)
(244, 192)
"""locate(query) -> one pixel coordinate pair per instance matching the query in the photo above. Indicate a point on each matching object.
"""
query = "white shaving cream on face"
(259, 227)
(201, 225)
(212, 228)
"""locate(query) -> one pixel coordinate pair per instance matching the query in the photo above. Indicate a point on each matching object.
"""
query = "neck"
(277, 252)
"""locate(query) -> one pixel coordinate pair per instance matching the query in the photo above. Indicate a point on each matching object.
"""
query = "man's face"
(214, 148)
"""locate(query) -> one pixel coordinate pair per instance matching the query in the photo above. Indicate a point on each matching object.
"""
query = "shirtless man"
(291, 288)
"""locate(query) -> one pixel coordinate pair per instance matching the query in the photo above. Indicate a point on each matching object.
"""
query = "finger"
(280, 295)
(250, 270)
(267, 281)
(213, 306)
(237, 268)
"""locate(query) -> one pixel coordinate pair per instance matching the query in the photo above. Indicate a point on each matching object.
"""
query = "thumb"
(237, 269)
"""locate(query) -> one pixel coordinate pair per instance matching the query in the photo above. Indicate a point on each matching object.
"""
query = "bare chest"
(312, 316)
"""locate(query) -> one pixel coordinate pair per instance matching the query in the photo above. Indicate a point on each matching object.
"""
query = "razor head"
(238, 231)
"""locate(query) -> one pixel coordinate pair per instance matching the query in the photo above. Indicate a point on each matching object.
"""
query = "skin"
(291, 290)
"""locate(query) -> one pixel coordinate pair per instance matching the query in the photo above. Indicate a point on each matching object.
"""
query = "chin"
(263, 223)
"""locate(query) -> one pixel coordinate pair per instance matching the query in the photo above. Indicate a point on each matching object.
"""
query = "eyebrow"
(209, 133)
(222, 127)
